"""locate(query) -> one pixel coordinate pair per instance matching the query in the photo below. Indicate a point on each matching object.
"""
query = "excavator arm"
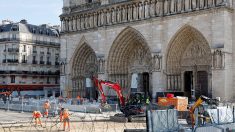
(200, 100)
(8, 93)
(114, 86)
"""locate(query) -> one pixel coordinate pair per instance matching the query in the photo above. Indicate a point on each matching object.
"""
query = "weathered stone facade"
(171, 45)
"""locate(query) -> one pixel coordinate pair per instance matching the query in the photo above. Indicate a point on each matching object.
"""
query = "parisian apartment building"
(29, 56)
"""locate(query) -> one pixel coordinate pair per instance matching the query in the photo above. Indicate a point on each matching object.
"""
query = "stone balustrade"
(132, 11)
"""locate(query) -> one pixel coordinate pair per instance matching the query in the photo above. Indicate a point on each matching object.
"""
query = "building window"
(24, 59)
(34, 58)
(48, 80)
(41, 60)
(34, 49)
(89, 1)
(24, 48)
(56, 80)
(13, 36)
(12, 79)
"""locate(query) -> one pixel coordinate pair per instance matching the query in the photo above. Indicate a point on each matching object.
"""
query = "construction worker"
(37, 117)
(61, 114)
(47, 106)
(147, 101)
(65, 118)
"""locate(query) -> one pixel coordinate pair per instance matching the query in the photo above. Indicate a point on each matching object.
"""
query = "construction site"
(137, 113)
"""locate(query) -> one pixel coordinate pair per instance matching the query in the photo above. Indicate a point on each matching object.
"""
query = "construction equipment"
(131, 107)
(4, 95)
(200, 100)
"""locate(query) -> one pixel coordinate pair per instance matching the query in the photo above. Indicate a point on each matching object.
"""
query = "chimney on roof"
(23, 21)
(4, 22)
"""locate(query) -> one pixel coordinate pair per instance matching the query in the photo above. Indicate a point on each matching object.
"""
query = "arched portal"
(129, 62)
(83, 68)
(189, 63)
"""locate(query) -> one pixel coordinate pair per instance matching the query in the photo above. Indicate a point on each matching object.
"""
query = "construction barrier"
(162, 120)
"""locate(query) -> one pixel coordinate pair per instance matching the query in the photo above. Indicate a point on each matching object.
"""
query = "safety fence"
(162, 120)
(33, 104)
(222, 120)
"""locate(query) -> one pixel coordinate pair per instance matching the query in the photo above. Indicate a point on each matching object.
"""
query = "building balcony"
(13, 50)
(42, 62)
(12, 61)
(24, 61)
(9, 39)
(34, 62)
(48, 63)
(34, 52)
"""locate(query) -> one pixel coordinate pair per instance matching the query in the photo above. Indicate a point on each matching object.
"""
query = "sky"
(36, 12)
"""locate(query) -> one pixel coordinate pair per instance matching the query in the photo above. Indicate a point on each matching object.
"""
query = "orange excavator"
(133, 106)
(198, 103)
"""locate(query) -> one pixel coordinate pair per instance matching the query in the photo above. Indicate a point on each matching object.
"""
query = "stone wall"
(159, 29)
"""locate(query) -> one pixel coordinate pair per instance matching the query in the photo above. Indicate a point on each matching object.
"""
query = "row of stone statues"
(132, 12)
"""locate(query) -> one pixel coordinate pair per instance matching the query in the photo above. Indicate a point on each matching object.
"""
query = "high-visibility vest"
(37, 114)
(46, 105)
(65, 114)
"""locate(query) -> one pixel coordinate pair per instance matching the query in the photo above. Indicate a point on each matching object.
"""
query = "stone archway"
(83, 68)
(130, 56)
(188, 61)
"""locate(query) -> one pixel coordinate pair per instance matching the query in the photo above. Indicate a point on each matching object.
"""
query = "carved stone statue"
(135, 15)
(118, 15)
(91, 21)
(82, 22)
(218, 59)
(78, 23)
(95, 19)
(124, 16)
(141, 16)
(108, 16)
(113, 16)
(152, 8)
(74, 24)
(146, 9)
(130, 12)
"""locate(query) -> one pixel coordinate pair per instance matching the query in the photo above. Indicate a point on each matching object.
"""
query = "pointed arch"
(129, 54)
(180, 42)
(84, 65)
(188, 60)
(122, 47)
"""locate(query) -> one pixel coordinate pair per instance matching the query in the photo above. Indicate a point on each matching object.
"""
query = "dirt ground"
(96, 126)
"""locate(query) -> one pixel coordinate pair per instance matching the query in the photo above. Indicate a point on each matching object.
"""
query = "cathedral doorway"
(130, 63)
(83, 68)
(189, 63)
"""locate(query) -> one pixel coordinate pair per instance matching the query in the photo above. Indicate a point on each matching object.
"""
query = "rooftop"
(23, 26)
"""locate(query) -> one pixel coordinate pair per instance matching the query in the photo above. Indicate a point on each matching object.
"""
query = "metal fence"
(222, 120)
(162, 120)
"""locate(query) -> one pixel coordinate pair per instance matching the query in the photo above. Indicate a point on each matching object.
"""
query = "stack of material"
(180, 103)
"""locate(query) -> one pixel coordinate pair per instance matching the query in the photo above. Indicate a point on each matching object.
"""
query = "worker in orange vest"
(47, 106)
(37, 117)
(61, 114)
(65, 118)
